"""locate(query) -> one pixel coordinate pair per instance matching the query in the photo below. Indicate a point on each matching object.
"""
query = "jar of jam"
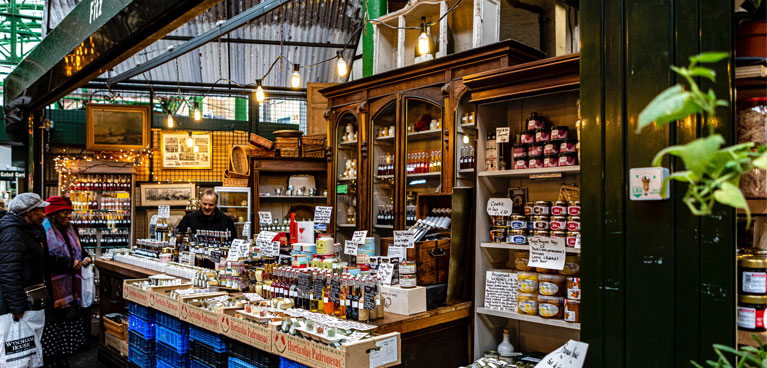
(518, 222)
(559, 234)
(573, 311)
(528, 282)
(498, 220)
(541, 222)
(542, 208)
(518, 237)
(527, 137)
(551, 148)
(568, 159)
(542, 135)
(542, 233)
(552, 285)
(535, 162)
(574, 288)
(408, 281)
(752, 272)
(559, 132)
(498, 234)
(574, 208)
(558, 223)
(573, 239)
(519, 150)
(568, 146)
(572, 266)
(751, 312)
(550, 306)
(527, 304)
(520, 163)
(529, 208)
(521, 259)
(535, 150)
(559, 208)
(573, 223)
(535, 122)
(551, 161)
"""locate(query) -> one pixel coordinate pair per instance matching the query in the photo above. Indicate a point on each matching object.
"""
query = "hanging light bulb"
(259, 92)
(341, 65)
(295, 80)
(197, 112)
(423, 39)
(465, 139)
(189, 140)
(171, 123)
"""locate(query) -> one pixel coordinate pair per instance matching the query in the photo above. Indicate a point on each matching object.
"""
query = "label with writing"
(306, 352)
(386, 271)
(397, 253)
(499, 206)
(502, 134)
(304, 283)
(359, 236)
(547, 252)
(386, 354)
(246, 332)
(163, 212)
(363, 259)
(335, 290)
(570, 355)
(264, 217)
(237, 250)
(403, 239)
(135, 294)
(164, 304)
(199, 317)
(317, 287)
(370, 298)
(350, 247)
(246, 230)
(501, 290)
(322, 214)
(265, 244)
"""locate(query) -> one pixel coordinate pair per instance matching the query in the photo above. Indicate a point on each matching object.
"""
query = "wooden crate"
(432, 259)
(314, 139)
(119, 330)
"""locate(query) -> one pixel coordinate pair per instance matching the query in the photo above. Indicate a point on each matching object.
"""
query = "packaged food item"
(520, 163)
(519, 150)
(534, 150)
(498, 234)
(569, 146)
(520, 260)
(751, 312)
(558, 223)
(542, 135)
(540, 222)
(406, 268)
(752, 113)
(529, 208)
(568, 159)
(752, 272)
(573, 239)
(542, 233)
(535, 122)
(574, 288)
(559, 208)
(518, 222)
(535, 162)
(573, 311)
(542, 208)
(574, 208)
(407, 281)
(551, 160)
(551, 285)
(572, 266)
(527, 304)
(574, 223)
(559, 132)
(559, 234)
(551, 306)
(527, 137)
(551, 148)
(518, 237)
(528, 282)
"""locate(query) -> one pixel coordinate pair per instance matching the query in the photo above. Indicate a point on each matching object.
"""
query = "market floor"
(86, 358)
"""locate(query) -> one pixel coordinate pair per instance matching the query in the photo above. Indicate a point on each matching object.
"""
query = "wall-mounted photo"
(184, 151)
(167, 194)
(116, 127)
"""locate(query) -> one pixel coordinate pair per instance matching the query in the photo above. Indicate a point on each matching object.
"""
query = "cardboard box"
(404, 301)
(134, 293)
(382, 351)
(251, 333)
(116, 343)
(159, 299)
(199, 317)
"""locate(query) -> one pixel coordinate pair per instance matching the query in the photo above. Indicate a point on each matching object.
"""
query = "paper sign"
(350, 247)
(547, 253)
(266, 245)
(239, 249)
(499, 206)
(385, 354)
(363, 259)
(172, 241)
(403, 239)
(570, 355)
(400, 253)
(386, 271)
(163, 212)
(322, 214)
(359, 237)
(501, 291)
(502, 134)
(265, 217)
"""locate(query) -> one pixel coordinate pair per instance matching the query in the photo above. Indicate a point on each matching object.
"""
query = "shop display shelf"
(745, 338)
(534, 319)
(243, 207)
(424, 135)
(470, 126)
(384, 226)
(215, 341)
(388, 139)
(531, 172)
(140, 359)
(424, 175)
(346, 179)
(520, 247)
(173, 339)
(466, 171)
(169, 355)
(293, 197)
(384, 177)
(137, 341)
(347, 225)
(347, 145)
(141, 326)
(207, 355)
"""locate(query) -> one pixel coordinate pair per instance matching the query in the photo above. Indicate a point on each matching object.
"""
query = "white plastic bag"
(88, 286)
(20, 340)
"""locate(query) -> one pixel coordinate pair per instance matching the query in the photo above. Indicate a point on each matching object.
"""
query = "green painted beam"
(375, 8)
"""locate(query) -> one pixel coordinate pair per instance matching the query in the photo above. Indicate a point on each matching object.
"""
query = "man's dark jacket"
(217, 221)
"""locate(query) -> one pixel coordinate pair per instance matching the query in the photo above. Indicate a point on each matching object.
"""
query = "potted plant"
(751, 36)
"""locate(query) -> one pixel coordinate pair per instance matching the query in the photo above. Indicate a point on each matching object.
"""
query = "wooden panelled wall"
(659, 283)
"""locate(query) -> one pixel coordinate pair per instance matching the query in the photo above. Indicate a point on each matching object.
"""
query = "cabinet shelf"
(347, 179)
(424, 135)
(384, 177)
(293, 197)
(534, 319)
(348, 143)
(387, 139)
(519, 247)
(384, 226)
(469, 126)
(424, 175)
(243, 207)
(530, 172)
(466, 171)
(347, 225)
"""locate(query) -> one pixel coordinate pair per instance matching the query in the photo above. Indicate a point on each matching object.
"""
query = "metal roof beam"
(264, 42)
(214, 33)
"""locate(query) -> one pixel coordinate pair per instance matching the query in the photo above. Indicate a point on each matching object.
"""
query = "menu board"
(370, 294)
(317, 287)
(178, 153)
(501, 290)
(304, 283)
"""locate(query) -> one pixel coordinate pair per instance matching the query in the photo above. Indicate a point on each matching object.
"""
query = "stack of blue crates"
(245, 356)
(209, 350)
(141, 329)
(172, 342)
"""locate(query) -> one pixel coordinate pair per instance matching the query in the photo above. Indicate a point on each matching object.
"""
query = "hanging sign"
(499, 206)
(547, 252)
(570, 355)
(502, 134)
(163, 212)
(265, 217)
(359, 237)
(265, 244)
(322, 214)
(403, 239)
(350, 247)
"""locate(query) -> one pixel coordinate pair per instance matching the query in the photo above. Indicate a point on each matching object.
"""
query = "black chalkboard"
(335, 290)
(304, 283)
(370, 295)
(318, 286)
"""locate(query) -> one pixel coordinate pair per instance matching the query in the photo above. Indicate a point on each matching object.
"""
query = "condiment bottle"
(505, 348)
(379, 299)
(363, 315)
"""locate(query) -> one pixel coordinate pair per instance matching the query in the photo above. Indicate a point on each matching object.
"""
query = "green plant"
(747, 356)
(712, 173)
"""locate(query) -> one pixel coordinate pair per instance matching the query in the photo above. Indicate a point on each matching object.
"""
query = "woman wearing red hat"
(64, 332)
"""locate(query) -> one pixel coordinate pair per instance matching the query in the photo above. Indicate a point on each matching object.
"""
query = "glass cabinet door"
(235, 203)
(347, 165)
(383, 159)
(423, 158)
(465, 141)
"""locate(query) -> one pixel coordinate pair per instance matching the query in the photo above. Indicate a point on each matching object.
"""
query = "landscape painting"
(117, 127)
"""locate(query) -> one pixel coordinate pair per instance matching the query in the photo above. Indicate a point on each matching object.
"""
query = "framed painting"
(187, 150)
(116, 127)
(178, 194)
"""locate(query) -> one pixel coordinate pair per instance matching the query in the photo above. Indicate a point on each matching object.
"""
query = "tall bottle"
(341, 312)
(313, 300)
(329, 307)
(379, 299)
(363, 315)
(505, 347)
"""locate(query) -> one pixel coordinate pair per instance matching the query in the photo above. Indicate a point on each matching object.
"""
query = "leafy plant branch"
(747, 356)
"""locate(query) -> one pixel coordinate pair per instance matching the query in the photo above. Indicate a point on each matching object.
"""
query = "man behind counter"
(208, 217)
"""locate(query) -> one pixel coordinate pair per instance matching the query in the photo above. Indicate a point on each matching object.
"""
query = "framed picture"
(116, 127)
(187, 150)
(518, 197)
(167, 194)
(173, 220)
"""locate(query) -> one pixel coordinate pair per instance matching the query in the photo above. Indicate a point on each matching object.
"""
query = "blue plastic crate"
(137, 341)
(141, 326)
(169, 355)
(171, 322)
(140, 359)
(139, 310)
(287, 363)
(194, 363)
(207, 355)
(162, 364)
(238, 363)
(217, 342)
(178, 341)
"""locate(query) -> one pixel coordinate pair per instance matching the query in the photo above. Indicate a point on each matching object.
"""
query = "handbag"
(38, 297)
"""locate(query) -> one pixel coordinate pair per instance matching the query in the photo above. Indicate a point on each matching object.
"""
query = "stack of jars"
(558, 219)
(548, 293)
(752, 290)
(540, 146)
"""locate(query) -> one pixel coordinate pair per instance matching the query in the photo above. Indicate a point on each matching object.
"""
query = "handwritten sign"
(239, 249)
(501, 290)
(502, 134)
(172, 241)
(363, 259)
(264, 217)
(570, 355)
(385, 353)
(369, 301)
(322, 214)
(397, 253)
(547, 253)
(246, 230)
(268, 247)
(403, 239)
(350, 247)
(335, 290)
(499, 206)
(386, 271)
(317, 286)
(359, 237)
(163, 212)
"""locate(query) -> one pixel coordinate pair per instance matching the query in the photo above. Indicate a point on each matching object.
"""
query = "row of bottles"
(410, 214)
(468, 160)
(420, 162)
(385, 165)
(99, 183)
(114, 238)
(385, 215)
(101, 220)
(277, 227)
(92, 201)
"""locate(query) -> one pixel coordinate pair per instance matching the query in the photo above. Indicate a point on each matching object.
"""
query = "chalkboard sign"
(370, 298)
(304, 283)
(319, 284)
(335, 290)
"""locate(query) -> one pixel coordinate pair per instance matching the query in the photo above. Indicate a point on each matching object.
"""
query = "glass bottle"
(342, 299)
(379, 299)
(327, 305)
(505, 347)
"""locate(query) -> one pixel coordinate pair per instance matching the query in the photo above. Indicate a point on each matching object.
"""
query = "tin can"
(540, 223)
(535, 162)
(535, 122)
(558, 223)
(568, 146)
(529, 208)
(542, 208)
(568, 159)
(574, 223)
(551, 161)
(559, 132)
(527, 137)
(519, 150)
(551, 148)
(535, 150)
(574, 208)
(542, 135)
(517, 237)
(559, 208)
(520, 163)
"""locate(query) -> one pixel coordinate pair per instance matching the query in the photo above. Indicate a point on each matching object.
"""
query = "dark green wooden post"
(659, 283)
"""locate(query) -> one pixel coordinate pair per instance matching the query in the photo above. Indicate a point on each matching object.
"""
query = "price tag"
(363, 259)
(246, 230)
(499, 206)
(359, 237)
(268, 247)
(235, 251)
(172, 241)
(570, 355)
(163, 212)
(322, 214)
(547, 253)
(335, 290)
(386, 271)
(350, 247)
(264, 217)
(403, 239)
(502, 134)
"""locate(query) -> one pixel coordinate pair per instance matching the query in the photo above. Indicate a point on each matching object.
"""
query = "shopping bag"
(88, 286)
(20, 340)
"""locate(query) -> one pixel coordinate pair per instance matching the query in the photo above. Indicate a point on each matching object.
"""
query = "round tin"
(542, 208)
(551, 160)
(520, 163)
(527, 137)
(568, 146)
(540, 223)
(568, 159)
(551, 148)
(542, 135)
(535, 162)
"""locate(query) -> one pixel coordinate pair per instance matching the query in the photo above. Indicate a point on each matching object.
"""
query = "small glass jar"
(518, 237)
(552, 285)
(529, 208)
(752, 274)
(542, 208)
(573, 311)
(751, 312)
(518, 222)
(574, 223)
(574, 208)
(559, 208)
(551, 306)
(574, 288)
(541, 223)
(407, 281)
(572, 266)
(527, 303)
(559, 132)
(573, 239)
(558, 223)
(521, 259)
(527, 282)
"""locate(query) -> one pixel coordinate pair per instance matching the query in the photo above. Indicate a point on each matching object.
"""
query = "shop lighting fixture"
(189, 140)
(419, 181)
(341, 65)
(171, 123)
(465, 139)
(259, 92)
(295, 80)
(423, 39)
(197, 112)
(196, 149)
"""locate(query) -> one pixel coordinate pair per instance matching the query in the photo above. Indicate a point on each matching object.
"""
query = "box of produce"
(200, 309)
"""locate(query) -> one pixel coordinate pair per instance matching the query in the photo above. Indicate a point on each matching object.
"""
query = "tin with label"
(518, 222)
(541, 222)
(574, 208)
(551, 161)
(574, 223)
(559, 132)
(518, 237)
(542, 135)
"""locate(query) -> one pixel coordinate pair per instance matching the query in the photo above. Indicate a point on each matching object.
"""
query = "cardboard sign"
(502, 134)
(386, 271)
(359, 237)
(501, 290)
(387, 353)
(399, 253)
(246, 230)
(322, 214)
(264, 217)
(239, 249)
(403, 239)
(570, 355)
(350, 247)
(265, 244)
(499, 206)
(245, 331)
(547, 253)
(163, 212)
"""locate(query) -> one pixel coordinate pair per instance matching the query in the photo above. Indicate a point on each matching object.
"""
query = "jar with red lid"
(550, 160)
(551, 148)
(519, 150)
(573, 223)
(559, 132)
(568, 146)
(542, 135)
(568, 159)
(520, 163)
(751, 312)
(535, 122)
(559, 208)
(535, 162)
(535, 150)
(527, 137)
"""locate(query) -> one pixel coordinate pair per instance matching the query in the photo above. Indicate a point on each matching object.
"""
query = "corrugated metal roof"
(316, 21)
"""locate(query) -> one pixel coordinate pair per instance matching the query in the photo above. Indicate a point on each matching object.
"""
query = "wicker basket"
(119, 330)
(290, 152)
(314, 153)
(260, 141)
(235, 182)
(262, 153)
(314, 139)
(238, 161)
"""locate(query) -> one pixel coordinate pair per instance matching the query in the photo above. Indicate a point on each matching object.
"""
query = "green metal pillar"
(376, 8)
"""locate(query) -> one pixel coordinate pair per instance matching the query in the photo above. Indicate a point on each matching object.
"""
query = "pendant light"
(295, 80)
(259, 92)
(171, 123)
(189, 140)
(197, 112)
(423, 39)
(341, 66)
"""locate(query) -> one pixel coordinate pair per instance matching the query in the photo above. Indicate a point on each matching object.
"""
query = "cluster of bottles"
(101, 220)
(386, 165)
(410, 214)
(98, 183)
(115, 237)
(467, 160)
(115, 203)
(92, 201)
(200, 240)
(277, 227)
(385, 215)
(420, 162)
(87, 237)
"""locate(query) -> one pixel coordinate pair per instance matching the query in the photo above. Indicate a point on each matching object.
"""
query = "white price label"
(350, 247)
(246, 230)
(264, 217)
(570, 355)
(236, 250)
(265, 244)
(404, 239)
(386, 271)
(547, 253)
(322, 214)
(359, 237)
(172, 241)
(363, 259)
(502, 134)
(499, 206)
(163, 212)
